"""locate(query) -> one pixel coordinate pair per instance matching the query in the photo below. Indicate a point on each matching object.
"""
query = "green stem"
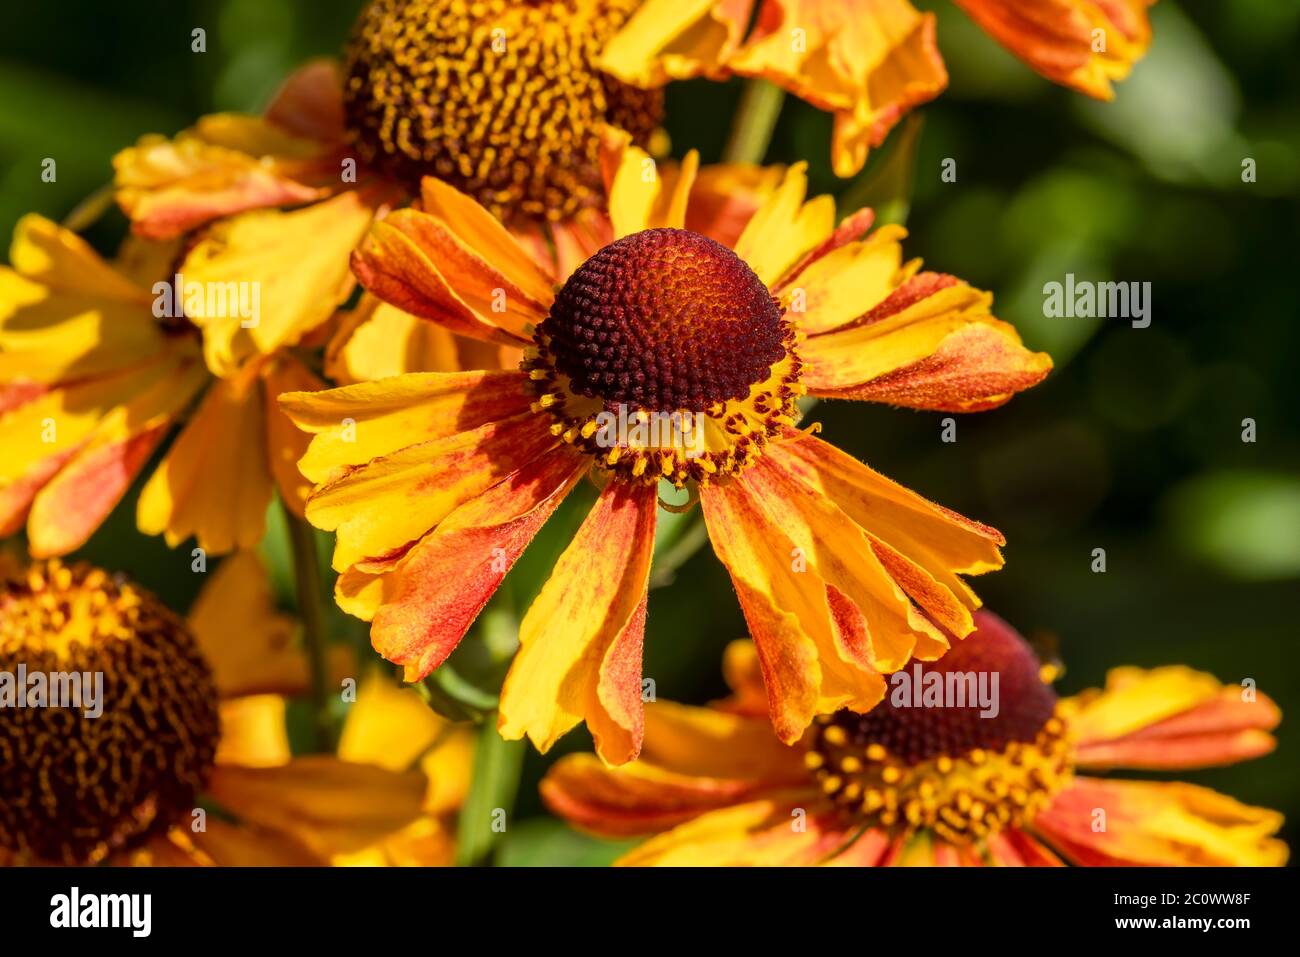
(311, 609)
(751, 129)
(495, 783)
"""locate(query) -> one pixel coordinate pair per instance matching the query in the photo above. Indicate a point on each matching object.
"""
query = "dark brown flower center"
(952, 748)
(664, 319)
(499, 98)
(76, 786)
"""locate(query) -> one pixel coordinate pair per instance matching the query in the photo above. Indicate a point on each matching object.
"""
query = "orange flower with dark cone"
(869, 62)
(435, 483)
(194, 717)
(933, 785)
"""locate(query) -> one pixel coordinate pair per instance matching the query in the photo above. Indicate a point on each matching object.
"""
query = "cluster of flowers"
(528, 270)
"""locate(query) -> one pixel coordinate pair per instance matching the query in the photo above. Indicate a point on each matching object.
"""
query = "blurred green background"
(1134, 444)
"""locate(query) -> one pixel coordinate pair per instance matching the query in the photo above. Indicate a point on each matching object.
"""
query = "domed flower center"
(665, 319)
(500, 98)
(671, 333)
(964, 746)
(109, 728)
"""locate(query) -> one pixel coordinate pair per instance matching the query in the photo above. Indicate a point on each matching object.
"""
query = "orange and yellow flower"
(435, 483)
(869, 61)
(194, 717)
(92, 381)
(940, 785)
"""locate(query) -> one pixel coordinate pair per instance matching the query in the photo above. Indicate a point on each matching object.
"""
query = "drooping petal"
(356, 423)
(388, 725)
(253, 731)
(286, 444)
(247, 642)
(640, 798)
(65, 314)
(676, 40)
(937, 540)
(66, 512)
(1170, 717)
(778, 831)
(266, 278)
(815, 659)
(869, 61)
(931, 344)
(432, 596)
(227, 164)
(415, 262)
(1082, 44)
(332, 806)
(1166, 824)
(393, 500)
(580, 641)
(215, 482)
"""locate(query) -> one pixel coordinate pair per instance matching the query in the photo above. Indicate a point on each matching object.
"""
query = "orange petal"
(1149, 824)
(743, 673)
(285, 443)
(253, 731)
(715, 743)
(412, 260)
(934, 538)
(870, 61)
(580, 641)
(1170, 717)
(435, 592)
(725, 197)
(676, 40)
(246, 640)
(215, 482)
(393, 500)
(234, 845)
(483, 245)
(332, 806)
(1057, 38)
(226, 165)
(68, 510)
(354, 424)
(815, 658)
(930, 345)
(640, 798)
(1015, 848)
(376, 340)
(780, 831)
(288, 271)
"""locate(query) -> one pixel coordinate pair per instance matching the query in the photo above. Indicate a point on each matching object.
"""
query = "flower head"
(940, 780)
(75, 784)
(192, 718)
(436, 483)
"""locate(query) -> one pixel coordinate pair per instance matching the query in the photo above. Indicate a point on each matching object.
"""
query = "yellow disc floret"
(500, 98)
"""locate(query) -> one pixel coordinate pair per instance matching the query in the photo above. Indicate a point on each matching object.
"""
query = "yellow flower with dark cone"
(92, 381)
(435, 483)
(920, 785)
(195, 716)
(869, 61)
